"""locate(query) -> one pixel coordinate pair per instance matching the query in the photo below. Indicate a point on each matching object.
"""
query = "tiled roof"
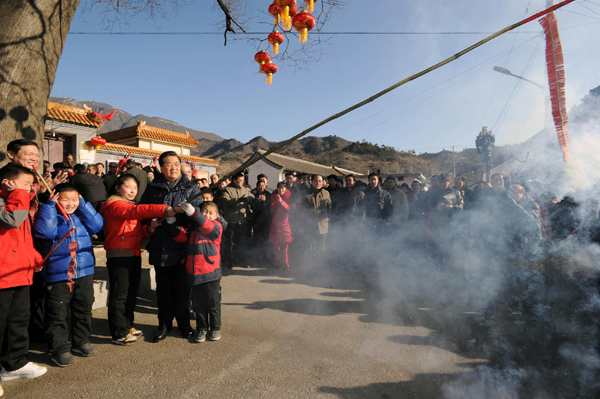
(66, 113)
(301, 166)
(142, 130)
(151, 153)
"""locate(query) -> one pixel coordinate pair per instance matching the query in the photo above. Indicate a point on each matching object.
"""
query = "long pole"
(448, 60)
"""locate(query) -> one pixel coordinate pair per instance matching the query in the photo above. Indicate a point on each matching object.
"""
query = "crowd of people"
(48, 222)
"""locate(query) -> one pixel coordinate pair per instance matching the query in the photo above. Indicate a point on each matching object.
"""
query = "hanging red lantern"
(303, 22)
(262, 57)
(275, 38)
(269, 69)
(293, 12)
(310, 5)
(275, 13)
(98, 141)
(284, 7)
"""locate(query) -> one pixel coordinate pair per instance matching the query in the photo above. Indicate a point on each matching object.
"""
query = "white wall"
(273, 174)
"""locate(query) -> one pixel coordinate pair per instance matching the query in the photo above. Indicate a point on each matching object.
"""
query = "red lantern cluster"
(286, 12)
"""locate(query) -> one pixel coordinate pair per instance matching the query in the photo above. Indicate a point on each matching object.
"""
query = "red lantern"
(269, 69)
(98, 141)
(275, 13)
(310, 5)
(303, 22)
(293, 12)
(275, 38)
(262, 58)
(284, 7)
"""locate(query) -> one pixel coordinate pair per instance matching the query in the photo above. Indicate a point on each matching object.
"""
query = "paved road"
(292, 335)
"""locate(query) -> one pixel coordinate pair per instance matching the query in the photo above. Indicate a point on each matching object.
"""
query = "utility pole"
(454, 161)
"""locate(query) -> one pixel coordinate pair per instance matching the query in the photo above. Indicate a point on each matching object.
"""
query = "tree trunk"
(32, 37)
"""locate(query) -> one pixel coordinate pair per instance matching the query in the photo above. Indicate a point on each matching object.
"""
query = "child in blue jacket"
(69, 272)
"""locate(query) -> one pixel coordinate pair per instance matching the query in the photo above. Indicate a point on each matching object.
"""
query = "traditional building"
(144, 143)
(275, 166)
(66, 129)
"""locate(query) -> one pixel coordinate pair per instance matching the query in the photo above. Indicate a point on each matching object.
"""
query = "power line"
(483, 65)
(266, 33)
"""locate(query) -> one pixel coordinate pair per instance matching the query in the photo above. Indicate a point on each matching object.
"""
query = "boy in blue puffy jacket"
(69, 272)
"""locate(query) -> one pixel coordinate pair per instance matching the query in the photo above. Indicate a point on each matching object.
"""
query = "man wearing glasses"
(167, 252)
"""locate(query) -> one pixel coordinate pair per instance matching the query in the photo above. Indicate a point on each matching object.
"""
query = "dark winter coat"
(261, 212)
(167, 245)
(90, 187)
(51, 227)
(203, 262)
(377, 204)
(280, 227)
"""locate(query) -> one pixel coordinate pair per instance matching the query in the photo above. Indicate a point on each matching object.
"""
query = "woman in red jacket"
(123, 243)
(280, 234)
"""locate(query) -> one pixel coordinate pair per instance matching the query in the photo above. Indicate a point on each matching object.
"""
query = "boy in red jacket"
(204, 267)
(18, 260)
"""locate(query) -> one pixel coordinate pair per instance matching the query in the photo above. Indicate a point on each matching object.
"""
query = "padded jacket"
(18, 258)
(204, 249)
(52, 227)
(167, 245)
(123, 225)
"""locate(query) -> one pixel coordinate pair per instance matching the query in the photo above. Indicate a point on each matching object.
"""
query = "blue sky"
(197, 82)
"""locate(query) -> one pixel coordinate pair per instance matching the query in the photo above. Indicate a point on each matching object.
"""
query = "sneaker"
(135, 332)
(126, 340)
(64, 359)
(200, 336)
(214, 335)
(30, 370)
(84, 350)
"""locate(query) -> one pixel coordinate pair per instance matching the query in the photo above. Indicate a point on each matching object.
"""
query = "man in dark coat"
(89, 186)
(140, 175)
(238, 201)
(376, 205)
(261, 224)
(167, 247)
(111, 177)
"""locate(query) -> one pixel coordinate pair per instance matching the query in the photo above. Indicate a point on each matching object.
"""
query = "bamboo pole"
(440, 64)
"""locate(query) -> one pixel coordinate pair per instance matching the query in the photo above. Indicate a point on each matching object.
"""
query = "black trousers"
(206, 300)
(58, 303)
(14, 319)
(37, 294)
(173, 296)
(235, 246)
(124, 282)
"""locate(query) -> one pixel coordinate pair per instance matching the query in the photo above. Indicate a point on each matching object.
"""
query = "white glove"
(187, 208)
(171, 220)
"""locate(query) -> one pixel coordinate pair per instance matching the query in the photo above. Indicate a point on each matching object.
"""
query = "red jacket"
(18, 257)
(280, 226)
(122, 225)
(204, 249)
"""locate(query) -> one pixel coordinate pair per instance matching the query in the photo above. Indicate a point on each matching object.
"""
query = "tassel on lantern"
(275, 48)
(310, 5)
(303, 35)
(287, 21)
(269, 78)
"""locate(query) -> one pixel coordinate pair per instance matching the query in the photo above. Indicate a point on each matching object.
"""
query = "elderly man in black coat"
(167, 247)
